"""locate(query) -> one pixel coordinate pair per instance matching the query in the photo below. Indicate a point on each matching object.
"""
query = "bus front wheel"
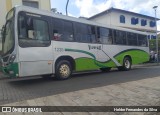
(63, 70)
(126, 64)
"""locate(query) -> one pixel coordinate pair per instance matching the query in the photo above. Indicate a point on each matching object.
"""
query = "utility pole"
(155, 8)
(67, 7)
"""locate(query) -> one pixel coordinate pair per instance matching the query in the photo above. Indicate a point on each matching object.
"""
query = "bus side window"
(132, 39)
(32, 31)
(82, 33)
(101, 39)
(104, 35)
(120, 37)
(110, 38)
(92, 34)
(57, 29)
(142, 40)
(63, 30)
(22, 27)
(68, 31)
(56, 35)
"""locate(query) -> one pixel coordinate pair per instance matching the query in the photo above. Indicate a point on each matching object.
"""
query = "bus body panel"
(87, 58)
(35, 61)
(137, 54)
(80, 52)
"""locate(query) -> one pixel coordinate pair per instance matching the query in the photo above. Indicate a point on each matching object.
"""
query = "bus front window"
(8, 34)
(8, 41)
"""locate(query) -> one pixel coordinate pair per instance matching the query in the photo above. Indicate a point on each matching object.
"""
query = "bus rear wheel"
(126, 64)
(63, 70)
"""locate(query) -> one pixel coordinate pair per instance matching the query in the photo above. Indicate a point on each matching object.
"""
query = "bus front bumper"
(10, 70)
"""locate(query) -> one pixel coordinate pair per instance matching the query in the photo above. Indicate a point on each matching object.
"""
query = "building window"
(152, 24)
(137, 20)
(122, 19)
(33, 4)
(134, 21)
(153, 37)
(143, 22)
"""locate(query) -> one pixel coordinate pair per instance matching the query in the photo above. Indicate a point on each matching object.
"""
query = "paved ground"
(144, 92)
(13, 90)
(138, 87)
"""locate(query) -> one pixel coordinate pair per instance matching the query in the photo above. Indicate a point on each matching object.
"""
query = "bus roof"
(69, 18)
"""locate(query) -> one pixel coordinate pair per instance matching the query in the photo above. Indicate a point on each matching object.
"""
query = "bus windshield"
(7, 34)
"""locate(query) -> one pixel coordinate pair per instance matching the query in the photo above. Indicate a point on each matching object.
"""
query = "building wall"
(113, 18)
(3, 10)
(103, 19)
(116, 21)
(15, 3)
(45, 5)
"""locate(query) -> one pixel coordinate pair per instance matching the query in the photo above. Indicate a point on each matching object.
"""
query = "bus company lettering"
(91, 47)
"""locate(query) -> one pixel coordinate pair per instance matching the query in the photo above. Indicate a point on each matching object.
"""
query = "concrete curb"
(146, 65)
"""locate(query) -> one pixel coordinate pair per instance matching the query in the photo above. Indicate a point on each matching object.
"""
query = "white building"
(127, 19)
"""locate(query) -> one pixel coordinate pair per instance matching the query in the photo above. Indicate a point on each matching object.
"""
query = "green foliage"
(152, 44)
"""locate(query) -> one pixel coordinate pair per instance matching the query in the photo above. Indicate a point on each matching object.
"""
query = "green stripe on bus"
(91, 64)
(84, 63)
(88, 63)
(138, 56)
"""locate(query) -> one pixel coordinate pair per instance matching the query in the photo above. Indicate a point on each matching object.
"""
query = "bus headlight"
(12, 58)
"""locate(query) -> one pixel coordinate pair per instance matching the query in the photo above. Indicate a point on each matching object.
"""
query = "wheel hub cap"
(64, 70)
(127, 64)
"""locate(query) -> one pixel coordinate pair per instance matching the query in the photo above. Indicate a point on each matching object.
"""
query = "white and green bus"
(37, 42)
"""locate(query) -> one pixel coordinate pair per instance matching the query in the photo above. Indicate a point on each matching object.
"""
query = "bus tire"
(126, 64)
(105, 69)
(63, 70)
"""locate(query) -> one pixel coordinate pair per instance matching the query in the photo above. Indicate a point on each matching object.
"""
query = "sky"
(88, 8)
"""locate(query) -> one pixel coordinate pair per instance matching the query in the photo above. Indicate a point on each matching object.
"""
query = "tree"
(54, 10)
(152, 43)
